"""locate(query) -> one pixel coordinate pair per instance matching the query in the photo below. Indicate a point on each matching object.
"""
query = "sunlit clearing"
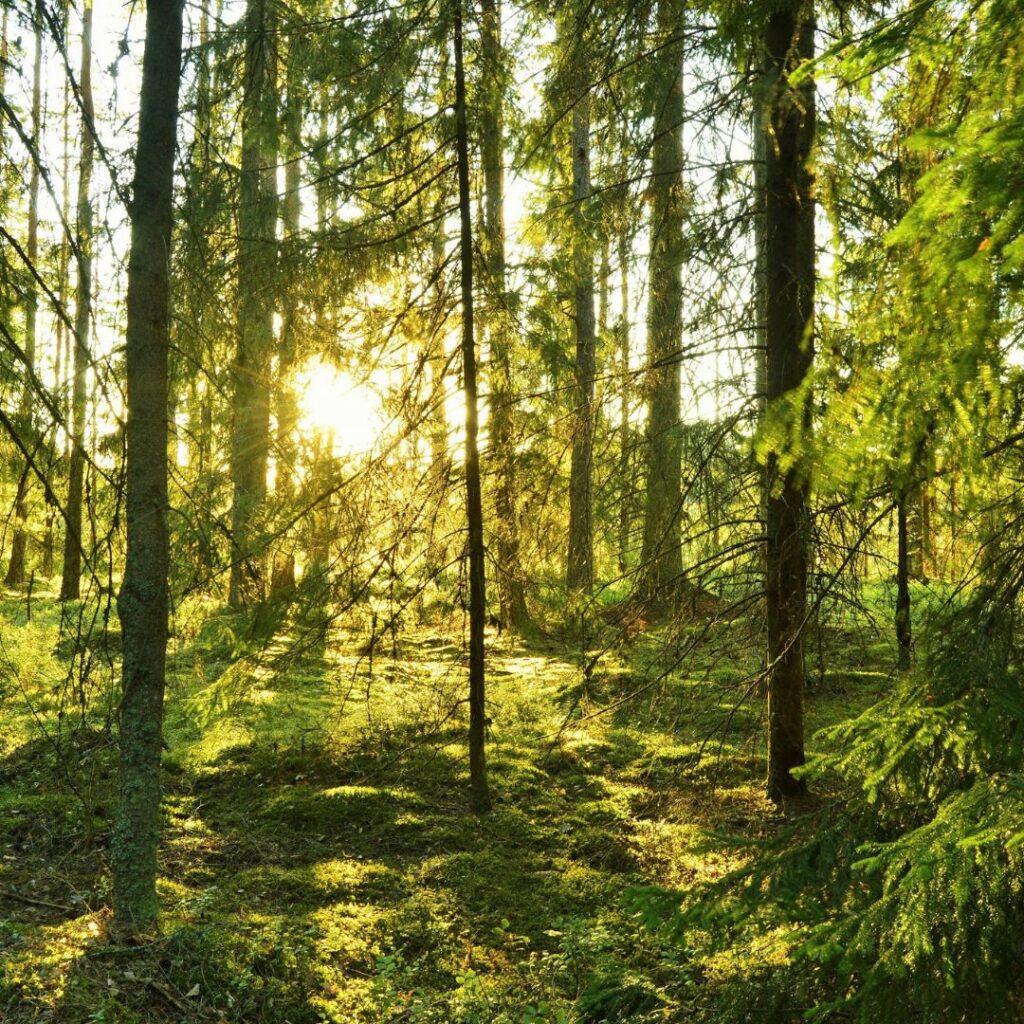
(340, 412)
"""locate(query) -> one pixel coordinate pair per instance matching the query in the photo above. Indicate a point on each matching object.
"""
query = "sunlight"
(348, 414)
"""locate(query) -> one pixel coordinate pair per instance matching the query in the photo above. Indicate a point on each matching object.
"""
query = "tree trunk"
(480, 798)
(579, 574)
(511, 595)
(283, 578)
(70, 585)
(143, 600)
(662, 552)
(257, 244)
(626, 399)
(903, 628)
(789, 324)
(760, 281)
(19, 542)
(61, 334)
(200, 298)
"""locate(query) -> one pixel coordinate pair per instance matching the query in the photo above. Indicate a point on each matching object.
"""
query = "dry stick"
(34, 901)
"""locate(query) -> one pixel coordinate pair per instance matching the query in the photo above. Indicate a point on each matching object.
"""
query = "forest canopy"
(511, 511)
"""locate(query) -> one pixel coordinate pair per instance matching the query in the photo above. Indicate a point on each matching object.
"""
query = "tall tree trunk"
(760, 281)
(19, 542)
(511, 595)
(662, 551)
(287, 406)
(437, 358)
(626, 400)
(903, 627)
(257, 219)
(70, 585)
(480, 798)
(789, 324)
(201, 301)
(579, 574)
(143, 600)
(61, 334)
(760, 132)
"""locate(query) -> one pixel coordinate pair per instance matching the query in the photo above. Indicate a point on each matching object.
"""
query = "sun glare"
(347, 414)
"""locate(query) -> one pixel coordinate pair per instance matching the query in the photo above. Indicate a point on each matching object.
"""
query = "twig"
(34, 901)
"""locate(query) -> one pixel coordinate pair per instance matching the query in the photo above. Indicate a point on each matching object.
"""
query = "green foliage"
(903, 897)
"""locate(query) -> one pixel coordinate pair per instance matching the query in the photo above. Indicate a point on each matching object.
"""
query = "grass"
(319, 863)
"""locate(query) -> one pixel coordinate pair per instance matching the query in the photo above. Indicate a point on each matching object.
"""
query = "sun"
(345, 413)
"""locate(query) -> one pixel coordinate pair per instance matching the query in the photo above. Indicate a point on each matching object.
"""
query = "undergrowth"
(319, 862)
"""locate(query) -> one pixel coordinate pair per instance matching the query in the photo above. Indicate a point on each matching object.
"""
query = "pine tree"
(70, 586)
(143, 599)
(790, 265)
(257, 221)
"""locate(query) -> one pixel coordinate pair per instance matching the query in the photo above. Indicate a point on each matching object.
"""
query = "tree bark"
(760, 281)
(61, 334)
(626, 400)
(143, 600)
(283, 577)
(257, 244)
(789, 323)
(579, 574)
(511, 594)
(903, 628)
(70, 586)
(198, 295)
(480, 798)
(662, 550)
(19, 541)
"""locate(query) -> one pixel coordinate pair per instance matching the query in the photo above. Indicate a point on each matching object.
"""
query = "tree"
(500, 335)
(283, 575)
(257, 222)
(789, 324)
(662, 549)
(70, 585)
(143, 599)
(579, 573)
(480, 798)
(19, 542)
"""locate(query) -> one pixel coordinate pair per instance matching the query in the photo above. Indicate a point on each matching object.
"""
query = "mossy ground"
(319, 861)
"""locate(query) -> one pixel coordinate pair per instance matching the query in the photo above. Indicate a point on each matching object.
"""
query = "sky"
(117, 42)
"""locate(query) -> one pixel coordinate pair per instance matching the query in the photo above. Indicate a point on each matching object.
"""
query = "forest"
(511, 511)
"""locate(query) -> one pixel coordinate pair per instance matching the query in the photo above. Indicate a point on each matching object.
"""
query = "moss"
(318, 862)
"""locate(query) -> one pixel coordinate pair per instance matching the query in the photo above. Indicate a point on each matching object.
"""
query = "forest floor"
(319, 861)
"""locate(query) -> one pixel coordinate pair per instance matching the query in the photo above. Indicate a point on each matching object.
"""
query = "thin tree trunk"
(625, 397)
(760, 132)
(903, 627)
(511, 595)
(579, 574)
(19, 542)
(480, 798)
(257, 218)
(662, 550)
(70, 586)
(61, 334)
(437, 358)
(789, 257)
(200, 390)
(143, 600)
(760, 282)
(283, 578)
